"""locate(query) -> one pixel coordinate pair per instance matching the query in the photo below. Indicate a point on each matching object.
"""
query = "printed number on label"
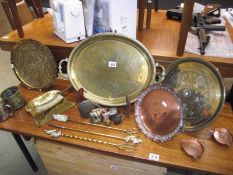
(154, 157)
(112, 64)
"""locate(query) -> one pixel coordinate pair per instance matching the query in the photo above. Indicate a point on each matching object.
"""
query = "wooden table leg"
(25, 151)
(156, 5)
(141, 14)
(185, 25)
(148, 14)
(14, 11)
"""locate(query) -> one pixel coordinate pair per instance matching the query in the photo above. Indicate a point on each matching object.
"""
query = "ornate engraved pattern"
(33, 64)
(200, 87)
(131, 72)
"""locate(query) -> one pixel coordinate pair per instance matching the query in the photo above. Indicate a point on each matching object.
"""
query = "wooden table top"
(161, 38)
(216, 158)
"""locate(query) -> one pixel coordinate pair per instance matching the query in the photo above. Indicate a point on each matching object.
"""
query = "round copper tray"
(110, 67)
(33, 64)
(200, 88)
(158, 113)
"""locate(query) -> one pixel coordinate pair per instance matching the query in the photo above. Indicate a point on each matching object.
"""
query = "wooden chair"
(142, 5)
(185, 25)
(18, 13)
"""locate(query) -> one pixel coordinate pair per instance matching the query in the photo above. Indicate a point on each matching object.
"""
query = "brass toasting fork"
(57, 134)
(65, 118)
(130, 138)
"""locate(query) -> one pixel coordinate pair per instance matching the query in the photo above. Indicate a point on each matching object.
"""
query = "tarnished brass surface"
(42, 118)
(109, 66)
(158, 113)
(193, 147)
(12, 97)
(223, 136)
(200, 87)
(33, 64)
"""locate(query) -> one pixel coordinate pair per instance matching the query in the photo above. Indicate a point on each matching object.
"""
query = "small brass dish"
(193, 147)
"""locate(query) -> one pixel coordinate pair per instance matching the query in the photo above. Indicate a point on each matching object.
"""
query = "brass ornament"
(33, 64)
(200, 88)
(110, 67)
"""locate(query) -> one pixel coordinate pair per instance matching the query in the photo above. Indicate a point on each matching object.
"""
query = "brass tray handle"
(61, 68)
(159, 75)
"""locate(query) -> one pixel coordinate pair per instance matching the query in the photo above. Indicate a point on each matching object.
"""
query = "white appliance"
(118, 16)
(68, 20)
(124, 17)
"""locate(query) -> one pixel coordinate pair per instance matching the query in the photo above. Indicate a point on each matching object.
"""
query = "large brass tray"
(200, 87)
(33, 64)
(110, 67)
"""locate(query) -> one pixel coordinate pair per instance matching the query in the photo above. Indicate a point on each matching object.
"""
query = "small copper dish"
(159, 113)
(222, 136)
(193, 147)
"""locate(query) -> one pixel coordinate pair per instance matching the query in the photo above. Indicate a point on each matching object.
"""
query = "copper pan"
(193, 147)
(222, 136)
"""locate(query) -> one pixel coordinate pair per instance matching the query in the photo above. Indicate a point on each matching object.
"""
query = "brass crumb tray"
(110, 67)
(33, 64)
(200, 88)
(42, 118)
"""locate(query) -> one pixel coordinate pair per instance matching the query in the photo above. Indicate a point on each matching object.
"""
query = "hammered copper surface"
(193, 147)
(158, 113)
(33, 64)
(110, 67)
(200, 87)
(223, 136)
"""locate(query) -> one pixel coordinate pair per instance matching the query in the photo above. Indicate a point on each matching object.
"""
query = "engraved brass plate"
(200, 87)
(33, 64)
(110, 67)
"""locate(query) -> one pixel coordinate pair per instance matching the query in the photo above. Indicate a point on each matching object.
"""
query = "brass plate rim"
(109, 36)
(216, 73)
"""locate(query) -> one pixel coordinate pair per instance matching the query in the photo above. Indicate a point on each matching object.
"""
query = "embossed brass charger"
(110, 67)
(33, 64)
(200, 87)
(159, 113)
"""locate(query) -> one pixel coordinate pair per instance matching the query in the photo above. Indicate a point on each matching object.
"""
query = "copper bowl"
(159, 113)
(222, 136)
(193, 147)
